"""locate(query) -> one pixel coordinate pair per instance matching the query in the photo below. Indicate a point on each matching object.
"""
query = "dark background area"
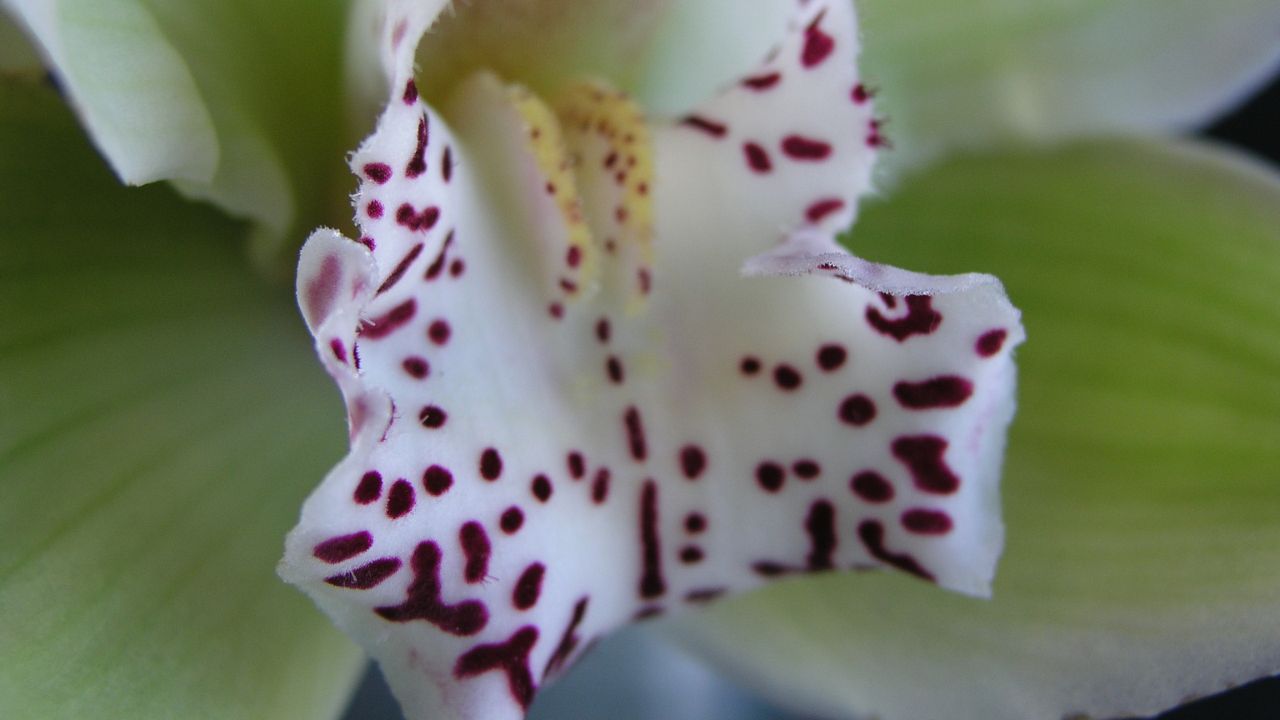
(611, 686)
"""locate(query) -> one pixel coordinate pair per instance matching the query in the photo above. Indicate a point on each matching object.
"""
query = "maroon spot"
(490, 464)
(339, 350)
(762, 82)
(871, 487)
(457, 267)
(613, 367)
(798, 147)
(394, 319)
(528, 587)
(926, 522)
(366, 576)
(645, 281)
(991, 342)
(401, 268)
(568, 640)
(410, 93)
(710, 127)
(921, 319)
(400, 500)
(367, 242)
(821, 526)
(573, 256)
(555, 310)
(446, 164)
(476, 548)
(418, 222)
(511, 657)
(373, 209)
(418, 163)
(704, 595)
(693, 461)
(437, 480)
(770, 475)
(648, 612)
(651, 583)
(600, 486)
(416, 367)
(806, 469)
(695, 523)
(439, 332)
(861, 94)
(568, 286)
(577, 466)
(635, 433)
(749, 366)
(771, 569)
(940, 392)
(541, 488)
(757, 157)
(424, 601)
(603, 331)
(871, 532)
(822, 209)
(857, 410)
(343, 547)
(691, 554)
(511, 521)
(432, 417)
(437, 265)
(787, 377)
(922, 454)
(817, 44)
(831, 357)
(377, 172)
(369, 489)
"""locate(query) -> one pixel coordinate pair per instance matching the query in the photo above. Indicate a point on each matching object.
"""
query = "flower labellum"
(599, 367)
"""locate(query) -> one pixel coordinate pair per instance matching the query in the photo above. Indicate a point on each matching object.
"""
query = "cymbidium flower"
(603, 359)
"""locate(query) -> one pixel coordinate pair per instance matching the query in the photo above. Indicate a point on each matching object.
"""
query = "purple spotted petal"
(535, 463)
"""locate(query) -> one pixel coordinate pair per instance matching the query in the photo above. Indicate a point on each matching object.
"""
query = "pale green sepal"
(1142, 562)
(970, 75)
(161, 419)
(130, 86)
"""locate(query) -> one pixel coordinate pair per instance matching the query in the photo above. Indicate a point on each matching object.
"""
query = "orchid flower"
(604, 358)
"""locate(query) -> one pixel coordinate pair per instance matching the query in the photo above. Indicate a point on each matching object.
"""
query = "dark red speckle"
(860, 94)
(709, 127)
(577, 466)
(437, 480)
(418, 163)
(757, 157)
(490, 464)
(400, 500)
(923, 455)
(871, 487)
(806, 469)
(366, 576)
(417, 221)
(603, 330)
(401, 267)
(369, 489)
(693, 461)
(512, 520)
(541, 488)
(432, 417)
(831, 357)
(941, 392)
(424, 602)
(921, 319)
(822, 209)
(926, 522)
(695, 523)
(817, 44)
(798, 147)
(377, 172)
(394, 319)
(600, 486)
(613, 368)
(568, 641)
(511, 657)
(410, 93)
(476, 548)
(871, 532)
(446, 164)
(528, 587)
(787, 377)
(820, 524)
(691, 554)
(635, 434)
(373, 209)
(762, 82)
(991, 342)
(652, 583)
(857, 410)
(343, 547)
(749, 366)
(439, 332)
(770, 475)
(417, 368)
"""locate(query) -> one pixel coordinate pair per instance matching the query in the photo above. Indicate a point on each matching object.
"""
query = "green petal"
(972, 74)
(160, 422)
(236, 101)
(1143, 476)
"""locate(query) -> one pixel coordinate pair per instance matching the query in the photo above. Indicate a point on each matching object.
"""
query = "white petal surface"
(535, 463)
